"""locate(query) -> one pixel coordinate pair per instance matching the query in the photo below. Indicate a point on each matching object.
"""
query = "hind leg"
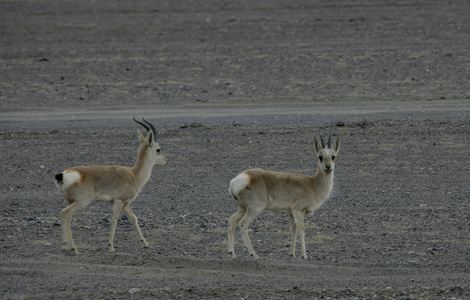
(67, 214)
(64, 213)
(233, 222)
(245, 221)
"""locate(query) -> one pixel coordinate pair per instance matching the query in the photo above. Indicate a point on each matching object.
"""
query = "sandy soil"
(232, 85)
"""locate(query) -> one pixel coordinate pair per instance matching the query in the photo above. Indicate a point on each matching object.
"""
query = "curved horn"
(142, 124)
(153, 128)
(329, 139)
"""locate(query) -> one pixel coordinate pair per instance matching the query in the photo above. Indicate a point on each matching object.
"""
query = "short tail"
(66, 178)
(239, 183)
(59, 178)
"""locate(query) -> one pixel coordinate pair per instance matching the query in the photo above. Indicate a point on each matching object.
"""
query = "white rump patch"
(239, 183)
(70, 177)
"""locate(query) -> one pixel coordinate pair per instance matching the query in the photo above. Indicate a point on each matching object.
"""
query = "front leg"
(294, 233)
(117, 207)
(300, 229)
(130, 213)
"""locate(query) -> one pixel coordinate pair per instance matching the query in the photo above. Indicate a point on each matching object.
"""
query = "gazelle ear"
(337, 144)
(318, 145)
(142, 138)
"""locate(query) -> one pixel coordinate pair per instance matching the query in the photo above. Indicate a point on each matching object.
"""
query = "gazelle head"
(149, 145)
(326, 153)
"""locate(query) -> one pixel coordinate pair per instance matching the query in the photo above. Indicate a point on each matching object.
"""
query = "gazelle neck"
(323, 183)
(324, 177)
(142, 167)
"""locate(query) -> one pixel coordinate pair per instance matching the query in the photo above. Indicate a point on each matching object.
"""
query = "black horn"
(143, 125)
(329, 138)
(322, 141)
(153, 128)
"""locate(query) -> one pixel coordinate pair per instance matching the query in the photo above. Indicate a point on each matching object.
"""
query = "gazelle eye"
(320, 158)
(333, 158)
(158, 150)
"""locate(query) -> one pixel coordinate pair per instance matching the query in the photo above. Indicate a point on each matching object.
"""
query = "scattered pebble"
(133, 291)
(191, 125)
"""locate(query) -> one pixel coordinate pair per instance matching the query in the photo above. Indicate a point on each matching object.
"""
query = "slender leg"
(233, 222)
(247, 218)
(130, 213)
(300, 229)
(293, 229)
(67, 214)
(117, 207)
(64, 214)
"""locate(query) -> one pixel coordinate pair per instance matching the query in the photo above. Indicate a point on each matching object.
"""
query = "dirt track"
(232, 85)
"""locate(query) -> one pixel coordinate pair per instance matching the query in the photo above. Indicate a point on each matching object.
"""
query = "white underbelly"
(103, 197)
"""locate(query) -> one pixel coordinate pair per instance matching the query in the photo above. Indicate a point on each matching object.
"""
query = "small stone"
(132, 291)
(192, 125)
(363, 123)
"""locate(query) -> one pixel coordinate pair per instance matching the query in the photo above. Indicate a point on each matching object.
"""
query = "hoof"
(146, 244)
(69, 248)
(232, 254)
(111, 249)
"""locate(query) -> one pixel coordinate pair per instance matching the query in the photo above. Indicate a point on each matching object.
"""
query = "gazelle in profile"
(119, 184)
(256, 190)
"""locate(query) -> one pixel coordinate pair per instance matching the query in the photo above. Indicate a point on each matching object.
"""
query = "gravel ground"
(232, 85)
(397, 223)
